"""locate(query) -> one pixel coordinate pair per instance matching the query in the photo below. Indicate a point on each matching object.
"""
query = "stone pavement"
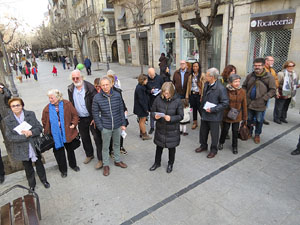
(259, 186)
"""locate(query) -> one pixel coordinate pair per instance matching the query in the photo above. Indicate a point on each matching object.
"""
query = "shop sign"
(272, 22)
(187, 34)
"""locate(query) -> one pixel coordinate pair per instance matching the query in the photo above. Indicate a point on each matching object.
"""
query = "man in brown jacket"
(180, 79)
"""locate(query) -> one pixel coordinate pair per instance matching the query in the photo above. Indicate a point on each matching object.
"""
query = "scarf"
(58, 133)
(230, 88)
(289, 86)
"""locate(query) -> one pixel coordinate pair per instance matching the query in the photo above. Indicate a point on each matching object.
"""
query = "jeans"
(64, 65)
(235, 130)
(158, 154)
(213, 127)
(30, 174)
(255, 118)
(106, 136)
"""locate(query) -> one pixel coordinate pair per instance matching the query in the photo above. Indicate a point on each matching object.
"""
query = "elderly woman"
(23, 141)
(168, 112)
(60, 119)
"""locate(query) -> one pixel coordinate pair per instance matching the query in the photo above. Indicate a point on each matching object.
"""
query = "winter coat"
(108, 110)
(200, 84)
(265, 89)
(90, 92)
(280, 84)
(20, 143)
(163, 60)
(237, 100)
(5, 95)
(217, 95)
(87, 63)
(156, 82)
(167, 134)
(141, 101)
(177, 82)
(274, 74)
(54, 70)
(70, 117)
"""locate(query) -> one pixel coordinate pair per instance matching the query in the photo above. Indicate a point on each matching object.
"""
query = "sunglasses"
(14, 106)
(75, 78)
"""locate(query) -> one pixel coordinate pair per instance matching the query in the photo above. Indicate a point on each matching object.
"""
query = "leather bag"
(44, 143)
(244, 132)
(233, 113)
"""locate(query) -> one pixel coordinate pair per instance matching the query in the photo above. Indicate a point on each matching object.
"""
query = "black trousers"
(30, 174)
(280, 109)
(84, 130)
(2, 173)
(88, 70)
(235, 131)
(195, 104)
(213, 128)
(61, 160)
(158, 154)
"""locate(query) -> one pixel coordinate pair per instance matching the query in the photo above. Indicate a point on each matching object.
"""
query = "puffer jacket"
(265, 89)
(167, 134)
(108, 110)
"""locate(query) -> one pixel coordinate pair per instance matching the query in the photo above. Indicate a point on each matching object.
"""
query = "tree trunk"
(203, 55)
(139, 50)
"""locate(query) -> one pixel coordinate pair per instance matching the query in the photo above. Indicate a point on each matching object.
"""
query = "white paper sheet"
(160, 114)
(23, 126)
(209, 105)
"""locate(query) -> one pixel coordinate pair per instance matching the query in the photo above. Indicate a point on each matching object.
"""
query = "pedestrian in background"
(34, 72)
(112, 75)
(88, 64)
(228, 70)
(68, 62)
(75, 60)
(26, 71)
(54, 71)
(163, 62)
(63, 61)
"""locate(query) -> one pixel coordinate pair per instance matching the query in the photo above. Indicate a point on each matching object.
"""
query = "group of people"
(26, 68)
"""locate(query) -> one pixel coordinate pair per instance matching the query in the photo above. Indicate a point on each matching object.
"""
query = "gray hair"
(213, 72)
(76, 72)
(56, 93)
(106, 78)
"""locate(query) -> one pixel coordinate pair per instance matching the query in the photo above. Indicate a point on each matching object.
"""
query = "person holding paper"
(213, 103)
(167, 133)
(23, 144)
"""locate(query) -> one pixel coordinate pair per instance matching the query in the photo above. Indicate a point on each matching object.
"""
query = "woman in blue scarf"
(60, 119)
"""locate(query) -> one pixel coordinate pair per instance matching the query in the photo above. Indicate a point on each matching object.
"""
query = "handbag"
(233, 113)
(44, 143)
(244, 132)
(74, 144)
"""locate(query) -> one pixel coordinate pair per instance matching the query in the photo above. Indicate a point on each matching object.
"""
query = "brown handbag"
(244, 132)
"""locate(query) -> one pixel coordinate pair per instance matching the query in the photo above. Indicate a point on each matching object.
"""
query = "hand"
(123, 128)
(152, 90)
(208, 110)
(72, 126)
(167, 118)
(92, 122)
(27, 133)
(167, 70)
(157, 117)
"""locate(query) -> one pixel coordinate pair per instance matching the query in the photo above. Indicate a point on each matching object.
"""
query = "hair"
(286, 64)
(105, 78)
(267, 57)
(213, 72)
(142, 78)
(56, 93)
(163, 54)
(259, 60)
(112, 78)
(97, 81)
(75, 72)
(110, 72)
(199, 72)
(233, 77)
(185, 103)
(188, 66)
(227, 70)
(13, 99)
(168, 86)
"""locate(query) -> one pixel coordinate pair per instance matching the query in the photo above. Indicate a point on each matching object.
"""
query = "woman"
(288, 84)
(141, 105)
(60, 119)
(168, 112)
(163, 61)
(165, 74)
(228, 70)
(237, 101)
(23, 148)
(194, 90)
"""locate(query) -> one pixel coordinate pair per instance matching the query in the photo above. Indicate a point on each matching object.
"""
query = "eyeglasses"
(15, 106)
(75, 78)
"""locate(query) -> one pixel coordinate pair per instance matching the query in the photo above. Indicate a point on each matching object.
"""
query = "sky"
(29, 12)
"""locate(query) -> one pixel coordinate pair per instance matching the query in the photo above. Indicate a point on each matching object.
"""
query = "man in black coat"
(213, 103)
(154, 84)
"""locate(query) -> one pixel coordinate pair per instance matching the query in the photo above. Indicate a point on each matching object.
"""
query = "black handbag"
(74, 144)
(233, 113)
(44, 143)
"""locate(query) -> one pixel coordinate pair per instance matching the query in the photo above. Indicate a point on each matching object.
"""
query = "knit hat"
(233, 77)
(110, 72)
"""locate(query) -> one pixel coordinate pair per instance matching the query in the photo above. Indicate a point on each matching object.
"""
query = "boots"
(194, 124)
(145, 136)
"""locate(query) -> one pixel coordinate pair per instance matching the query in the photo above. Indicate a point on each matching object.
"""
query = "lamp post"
(102, 24)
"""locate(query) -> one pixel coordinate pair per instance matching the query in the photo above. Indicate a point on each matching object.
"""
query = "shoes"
(211, 155)
(64, 174)
(123, 151)
(145, 136)
(234, 150)
(76, 169)
(256, 139)
(88, 159)
(200, 149)
(249, 136)
(2, 178)
(277, 121)
(295, 152)
(105, 170)
(154, 166)
(31, 189)
(194, 125)
(284, 121)
(227, 137)
(99, 165)
(151, 130)
(266, 122)
(181, 132)
(46, 184)
(185, 134)
(121, 164)
(169, 168)
(220, 146)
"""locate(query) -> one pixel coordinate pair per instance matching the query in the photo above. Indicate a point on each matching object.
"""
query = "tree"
(203, 34)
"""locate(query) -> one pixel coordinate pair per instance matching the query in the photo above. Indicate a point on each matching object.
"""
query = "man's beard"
(258, 71)
(79, 84)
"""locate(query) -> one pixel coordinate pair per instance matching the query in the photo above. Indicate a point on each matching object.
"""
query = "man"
(269, 62)
(213, 103)
(154, 84)
(75, 60)
(87, 63)
(81, 94)
(180, 79)
(260, 87)
(63, 61)
(108, 113)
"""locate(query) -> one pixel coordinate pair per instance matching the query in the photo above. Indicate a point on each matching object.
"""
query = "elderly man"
(260, 87)
(180, 79)
(154, 84)
(81, 94)
(108, 113)
(213, 103)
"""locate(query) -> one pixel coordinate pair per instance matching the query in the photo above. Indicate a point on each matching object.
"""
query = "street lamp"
(102, 24)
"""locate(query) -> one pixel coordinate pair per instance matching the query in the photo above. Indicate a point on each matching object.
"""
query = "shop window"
(128, 53)
(269, 43)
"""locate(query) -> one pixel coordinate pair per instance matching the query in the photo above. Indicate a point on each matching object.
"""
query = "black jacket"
(156, 82)
(167, 134)
(90, 92)
(217, 94)
(141, 101)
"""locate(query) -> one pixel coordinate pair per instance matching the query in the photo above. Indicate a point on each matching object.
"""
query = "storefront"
(127, 48)
(168, 37)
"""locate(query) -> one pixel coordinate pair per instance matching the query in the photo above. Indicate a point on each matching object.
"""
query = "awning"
(72, 49)
(122, 14)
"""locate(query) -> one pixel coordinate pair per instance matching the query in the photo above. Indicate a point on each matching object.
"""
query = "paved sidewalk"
(259, 186)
